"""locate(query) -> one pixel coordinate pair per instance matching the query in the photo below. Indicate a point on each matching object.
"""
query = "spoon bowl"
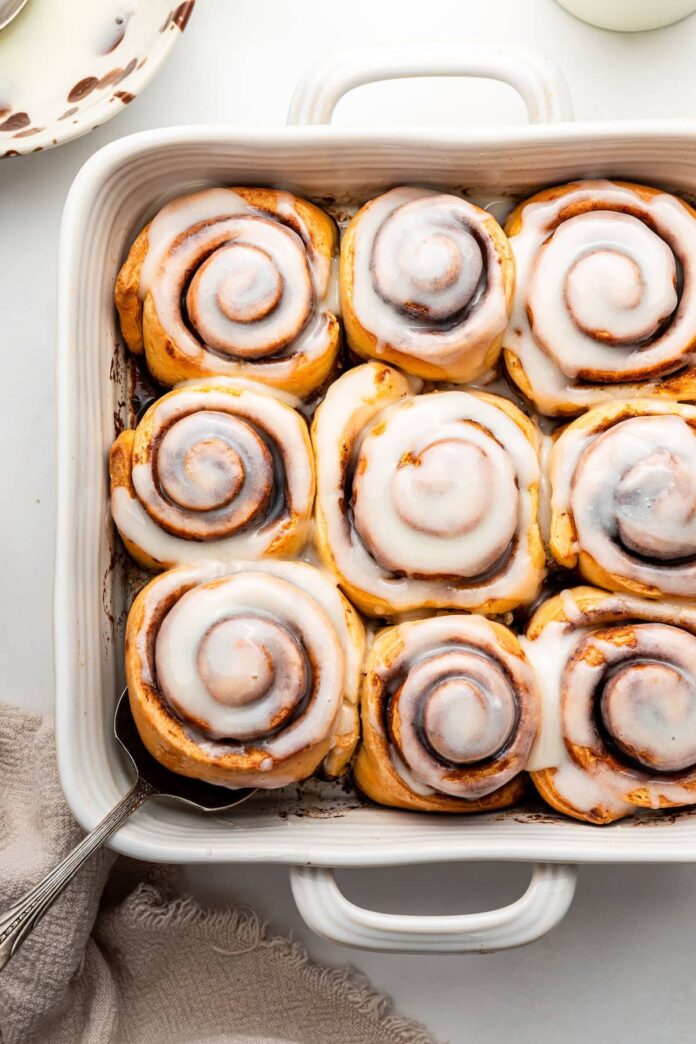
(206, 797)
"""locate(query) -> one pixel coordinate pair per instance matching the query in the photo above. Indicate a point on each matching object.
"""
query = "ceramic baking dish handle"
(538, 80)
(327, 912)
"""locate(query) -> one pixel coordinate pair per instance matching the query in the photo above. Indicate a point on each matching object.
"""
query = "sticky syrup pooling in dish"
(605, 299)
(429, 278)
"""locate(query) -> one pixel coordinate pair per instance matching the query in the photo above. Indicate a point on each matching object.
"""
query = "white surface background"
(620, 966)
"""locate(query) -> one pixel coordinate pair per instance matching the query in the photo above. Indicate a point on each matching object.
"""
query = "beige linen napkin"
(122, 958)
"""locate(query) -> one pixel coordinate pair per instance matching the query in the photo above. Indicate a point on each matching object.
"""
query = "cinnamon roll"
(219, 469)
(618, 680)
(450, 711)
(245, 674)
(605, 299)
(236, 282)
(426, 500)
(623, 498)
(426, 283)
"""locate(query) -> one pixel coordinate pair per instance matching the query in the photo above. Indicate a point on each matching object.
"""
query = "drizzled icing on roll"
(624, 493)
(236, 658)
(248, 672)
(450, 707)
(605, 293)
(234, 282)
(238, 300)
(426, 500)
(429, 478)
(619, 705)
(220, 469)
(426, 276)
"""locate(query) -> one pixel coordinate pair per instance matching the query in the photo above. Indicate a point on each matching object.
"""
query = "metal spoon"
(9, 9)
(152, 779)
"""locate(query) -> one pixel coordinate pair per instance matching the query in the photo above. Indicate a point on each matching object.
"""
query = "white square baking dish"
(315, 827)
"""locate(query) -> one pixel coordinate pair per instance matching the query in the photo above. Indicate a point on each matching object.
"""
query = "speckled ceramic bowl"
(67, 66)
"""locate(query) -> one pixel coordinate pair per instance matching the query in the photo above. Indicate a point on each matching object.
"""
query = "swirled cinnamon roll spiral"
(450, 711)
(605, 299)
(426, 500)
(618, 679)
(426, 283)
(623, 498)
(245, 674)
(236, 282)
(220, 469)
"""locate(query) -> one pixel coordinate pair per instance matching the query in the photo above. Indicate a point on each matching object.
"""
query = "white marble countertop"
(620, 966)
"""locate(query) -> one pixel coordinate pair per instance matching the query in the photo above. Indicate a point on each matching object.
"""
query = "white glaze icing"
(585, 793)
(428, 488)
(667, 650)
(221, 445)
(654, 724)
(426, 277)
(390, 436)
(653, 712)
(630, 490)
(259, 288)
(571, 609)
(473, 700)
(465, 721)
(269, 606)
(592, 292)
(253, 623)
(549, 654)
(407, 777)
(601, 274)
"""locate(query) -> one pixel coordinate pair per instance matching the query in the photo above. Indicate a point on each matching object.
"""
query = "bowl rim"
(109, 105)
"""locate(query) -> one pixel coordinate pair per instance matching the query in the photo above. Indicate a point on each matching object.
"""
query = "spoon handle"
(17, 922)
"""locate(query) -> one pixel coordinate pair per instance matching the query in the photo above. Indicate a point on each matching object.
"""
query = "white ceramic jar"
(629, 15)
